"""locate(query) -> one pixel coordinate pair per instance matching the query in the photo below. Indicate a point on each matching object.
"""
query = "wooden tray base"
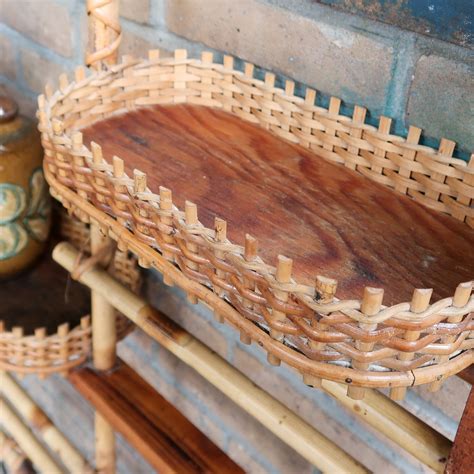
(328, 219)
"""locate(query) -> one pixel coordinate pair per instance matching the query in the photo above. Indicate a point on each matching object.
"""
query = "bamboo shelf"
(44, 318)
(343, 250)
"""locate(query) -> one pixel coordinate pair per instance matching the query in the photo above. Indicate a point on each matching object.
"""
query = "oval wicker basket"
(360, 343)
(43, 354)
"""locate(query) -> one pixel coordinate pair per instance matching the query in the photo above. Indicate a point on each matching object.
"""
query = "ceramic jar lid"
(8, 109)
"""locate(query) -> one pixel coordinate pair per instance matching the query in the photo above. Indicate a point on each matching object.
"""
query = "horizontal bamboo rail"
(34, 450)
(399, 425)
(377, 410)
(50, 434)
(281, 421)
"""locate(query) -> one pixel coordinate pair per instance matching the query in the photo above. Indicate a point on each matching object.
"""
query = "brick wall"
(411, 78)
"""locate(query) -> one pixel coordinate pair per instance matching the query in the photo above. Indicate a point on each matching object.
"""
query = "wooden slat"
(461, 458)
(156, 429)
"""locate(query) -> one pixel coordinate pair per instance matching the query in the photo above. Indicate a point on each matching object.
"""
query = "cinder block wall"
(406, 76)
(413, 79)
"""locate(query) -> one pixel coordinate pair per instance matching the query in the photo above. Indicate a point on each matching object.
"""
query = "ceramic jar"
(25, 206)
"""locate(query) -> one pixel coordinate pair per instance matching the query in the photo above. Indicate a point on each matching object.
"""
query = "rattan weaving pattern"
(309, 320)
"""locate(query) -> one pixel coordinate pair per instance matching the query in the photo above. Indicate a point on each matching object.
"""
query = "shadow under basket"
(44, 321)
(370, 234)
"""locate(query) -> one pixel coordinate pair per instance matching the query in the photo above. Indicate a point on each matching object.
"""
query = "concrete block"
(249, 464)
(46, 22)
(441, 99)
(173, 304)
(38, 71)
(135, 10)
(137, 46)
(7, 58)
(334, 59)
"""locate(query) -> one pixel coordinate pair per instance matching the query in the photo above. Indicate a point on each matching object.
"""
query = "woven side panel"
(433, 177)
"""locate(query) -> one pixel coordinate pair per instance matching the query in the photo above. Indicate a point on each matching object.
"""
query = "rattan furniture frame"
(370, 345)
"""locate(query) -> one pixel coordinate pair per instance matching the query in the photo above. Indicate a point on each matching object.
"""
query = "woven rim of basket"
(79, 175)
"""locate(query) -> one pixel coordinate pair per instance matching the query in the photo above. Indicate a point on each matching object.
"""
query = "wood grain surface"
(461, 458)
(157, 430)
(467, 374)
(330, 220)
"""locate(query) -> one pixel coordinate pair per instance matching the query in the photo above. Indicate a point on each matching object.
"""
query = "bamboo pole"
(27, 441)
(281, 421)
(396, 423)
(104, 340)
(104, 333)
(104, 33)
(104, 445)
(104, 39)
(378, 411)
(33, 414)
(13, 457)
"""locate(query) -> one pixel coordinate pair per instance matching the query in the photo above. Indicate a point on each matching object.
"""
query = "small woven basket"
(43, 354)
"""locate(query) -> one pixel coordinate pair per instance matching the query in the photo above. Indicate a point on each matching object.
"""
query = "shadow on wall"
(445, 20)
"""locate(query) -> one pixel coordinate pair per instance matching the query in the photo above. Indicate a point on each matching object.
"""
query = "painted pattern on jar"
(25, 205)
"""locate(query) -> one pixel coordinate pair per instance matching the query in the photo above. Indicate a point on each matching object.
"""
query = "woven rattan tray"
(44, 322)
(346, 220)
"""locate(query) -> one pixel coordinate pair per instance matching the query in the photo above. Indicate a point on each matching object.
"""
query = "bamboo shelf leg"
(104, 340)
(104, 334)
(104, 445)
(52, 437)
(104, 39)
(378, 411)
(27, 441)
